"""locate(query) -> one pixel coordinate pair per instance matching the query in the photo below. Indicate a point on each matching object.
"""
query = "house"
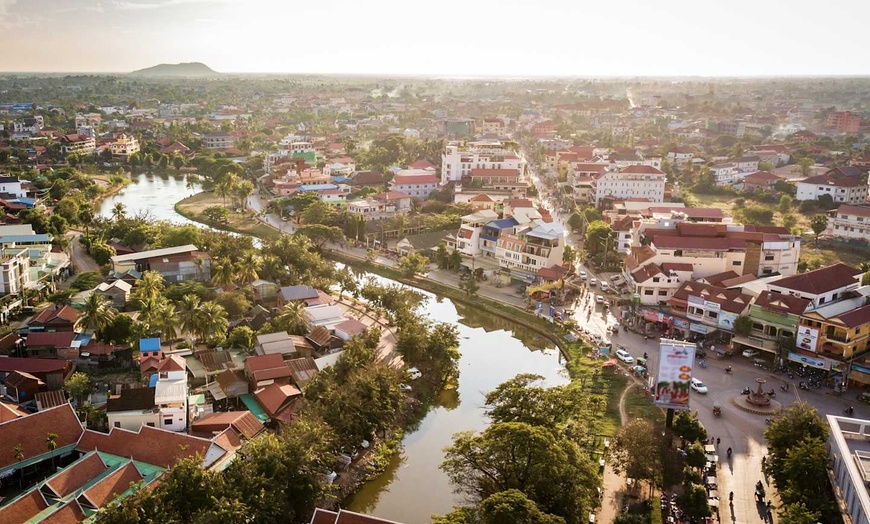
(370, 209)
(132, 409)
(343, 516)
(724, 174)
(64, 318)
(124, 146)
(15, 274)
(219, 140)
(279, 343)
(706, 308)
(264, 290)
(680, 156)
(364, 179)
(244, 423)
(61, 420)
(844, 121)
(400, 201)
(323, 316)
(849, 222)
(656, 284)
(845, 185)
(423, 243)
(761, 181)
(417, 186)
(775, 318)
(459, 158)
(150, 347)
(11, 185)
(263, 370)
(303, 371)
(232, 383)
(117, 293)
(21, 387)
(278, 400)
(176, 264)
(301, 293)
(350, 328)
(171, 393)
(821, 286)
(52, 344)
(493, 126)
(53, 373)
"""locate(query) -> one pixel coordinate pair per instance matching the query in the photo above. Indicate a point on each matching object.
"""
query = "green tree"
(51, 445)
(470, 286)
(550, 470)
(292, 318)
(798, 513)
(241, 337)
(865, 279)
(79, 386)
(97, 313)
(321, 234)
(693, 501)
(235, 303)
(150, 286)
(635, 451)
(806, 166)
(514, 507)
(599, 237)
(525, 399)
(785, 203)
(247, 267)
(300, 201)
(791, 425)
(413, 264)
(569, 255)
(212, 323)
(818, 224)
(687, 426)
(216, 214)
(223, 273)
(188, 314)
(743, 325)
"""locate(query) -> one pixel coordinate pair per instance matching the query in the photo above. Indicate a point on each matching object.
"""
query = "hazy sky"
(446, 37)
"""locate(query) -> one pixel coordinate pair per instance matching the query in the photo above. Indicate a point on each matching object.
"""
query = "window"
(167, 421)
(117, 424)
(150, 424)
(663, 293)
(656, 279)
(737, 263)
(648, 292)
(768, 257)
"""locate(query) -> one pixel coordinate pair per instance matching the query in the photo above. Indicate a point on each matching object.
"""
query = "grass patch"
(243, 222)
(638, 405)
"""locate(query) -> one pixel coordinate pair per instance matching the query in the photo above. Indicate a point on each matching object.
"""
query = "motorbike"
(849, 411)
(728, 370)
(784, 387)
(768, 421)
(702, 363)
(771, 393)
(717, 410)
(804, 386)
(746, 391)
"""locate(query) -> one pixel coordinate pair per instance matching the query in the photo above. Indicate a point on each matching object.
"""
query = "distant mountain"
(186, 69)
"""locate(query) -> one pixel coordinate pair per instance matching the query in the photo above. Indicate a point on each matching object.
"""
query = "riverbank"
(243, 222)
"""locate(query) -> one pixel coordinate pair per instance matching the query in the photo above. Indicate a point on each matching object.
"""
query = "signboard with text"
(675, 373)
(726, 320)
(807, 338)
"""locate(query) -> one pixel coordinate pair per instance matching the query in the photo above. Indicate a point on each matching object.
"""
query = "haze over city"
(478, 38)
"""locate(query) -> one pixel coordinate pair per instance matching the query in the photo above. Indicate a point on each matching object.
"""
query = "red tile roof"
(75, 476)
(701, 243)
(69, 513)
(821, 280)
(172, 363)
(731, 300)
(782, 302)
(55, 339)
(110, 486)
(422, 164)
(10, 412)
(243, 422)
(390, 195)
(274, 397)
(150, 445)
(861, 211)
(642, 169)
(66, 313)
(32, 430)
(32, 365)
(23, 509)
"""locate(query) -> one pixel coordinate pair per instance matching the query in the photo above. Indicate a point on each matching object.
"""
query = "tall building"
(844, 121)
(459, 159)
(631, 182)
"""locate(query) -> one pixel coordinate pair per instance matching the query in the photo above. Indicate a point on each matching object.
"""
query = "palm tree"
(242, 190)
(212, 321)
(150, 285)
(188, 313)
(51, 445)
(18, 450)
(864, 266)
(97, 313)
(199, 262)
(118, 210)
(168, 323)
(292, 317)
(247, 267)
(223, 274)
(151, 313)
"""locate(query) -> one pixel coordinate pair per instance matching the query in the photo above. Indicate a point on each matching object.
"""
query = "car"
(405, 387)
(414, 373)
(624, 356)
(604, 286)
(583, 275)
(593, 282)
(599, 299)
(699, 386)
(750, 353)
(616, 279)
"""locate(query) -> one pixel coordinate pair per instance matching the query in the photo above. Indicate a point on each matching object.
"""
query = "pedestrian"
(718, 440)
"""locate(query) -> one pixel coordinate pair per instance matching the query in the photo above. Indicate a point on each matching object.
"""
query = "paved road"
(81, 260)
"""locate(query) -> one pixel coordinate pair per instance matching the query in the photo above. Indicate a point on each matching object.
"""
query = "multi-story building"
(849, 449)
(632, 182)
(218, 140)
(706, 308)
(724, 174)
(849, 222)
(175, 264)
(761, 181)
(11, 185)
(458, 160)
(468, 237)
(680, 156)
(493, 126)
(417, 186)
(845, 185)
(844, 121)
(655, 284)
(775, 318)
(124, 146)
(821, 286)
(77, 144)
(838, 331)
(14, 271)
(529, 247)
(170, 393)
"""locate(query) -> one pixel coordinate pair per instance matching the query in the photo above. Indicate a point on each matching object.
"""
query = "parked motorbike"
(746, 391)
(702, 363)
(768, 421)
(771, 393)
(804, 386)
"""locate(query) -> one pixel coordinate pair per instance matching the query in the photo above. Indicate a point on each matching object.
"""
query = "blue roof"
(317, 187)
(149, 344)
(340, 179)
(25, 200)
(152, 381)
(503, 223)
(395, 169)
(84, 338)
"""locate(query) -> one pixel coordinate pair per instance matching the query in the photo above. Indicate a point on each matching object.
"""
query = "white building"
(124, 146)
(844, 185)
(417, 186)
(31, 125)
(80, 145)
(849, 445)
(11, 184)
(821, 286)
(637, 181)
(681, 156)
(724, 174)
(458, 160)
(850, 222)
(170, 393)
(14, 271)
(656, 284)
(468, 237)
(218, 140)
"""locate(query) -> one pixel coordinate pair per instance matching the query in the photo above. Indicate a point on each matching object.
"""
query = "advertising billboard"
(807, 338)
(675, 373)
(726, 321)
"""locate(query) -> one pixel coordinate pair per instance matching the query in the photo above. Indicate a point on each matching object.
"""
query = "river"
(493, 350)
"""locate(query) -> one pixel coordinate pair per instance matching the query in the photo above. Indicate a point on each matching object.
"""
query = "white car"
(750, 353)
(699, 386)
(624, 356)
(593, 282)
(414, 373)
(604, 286)
(599, 299)
(583, 275)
